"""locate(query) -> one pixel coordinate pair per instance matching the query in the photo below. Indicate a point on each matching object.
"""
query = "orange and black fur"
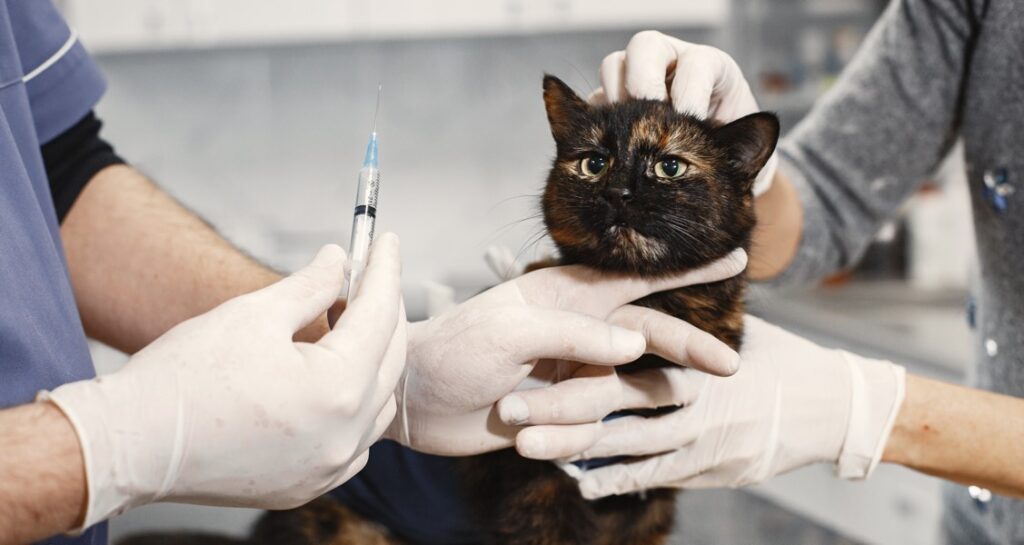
(635, 188)
(640, 189)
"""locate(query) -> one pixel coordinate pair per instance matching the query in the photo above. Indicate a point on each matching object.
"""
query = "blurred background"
(254, 114)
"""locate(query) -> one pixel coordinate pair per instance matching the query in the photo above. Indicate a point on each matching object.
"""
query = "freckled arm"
(960, 434)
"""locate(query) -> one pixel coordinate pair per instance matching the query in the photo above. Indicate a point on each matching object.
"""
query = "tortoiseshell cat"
(635, 188)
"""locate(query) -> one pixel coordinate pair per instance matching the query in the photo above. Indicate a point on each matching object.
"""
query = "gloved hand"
(791, 404)
(225, 409)
(463, 361)
(698, 79)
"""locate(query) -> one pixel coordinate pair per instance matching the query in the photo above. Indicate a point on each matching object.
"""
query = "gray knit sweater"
(930, 71)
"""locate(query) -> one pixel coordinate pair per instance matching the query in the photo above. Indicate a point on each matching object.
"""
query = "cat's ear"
(565, 108)
(749, 142)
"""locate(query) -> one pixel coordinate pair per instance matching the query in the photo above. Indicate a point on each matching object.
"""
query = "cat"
(635, 188)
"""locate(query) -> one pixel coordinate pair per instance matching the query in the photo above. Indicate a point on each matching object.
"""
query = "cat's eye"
(593, 165)
(670, 169)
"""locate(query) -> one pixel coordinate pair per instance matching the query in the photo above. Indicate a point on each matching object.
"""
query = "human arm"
(862, 150)
(779, 230)
(224, 409)
(795, 403)
(43, 474)
(869, 142)
(960, 434)
(131, 272)
(140, 262)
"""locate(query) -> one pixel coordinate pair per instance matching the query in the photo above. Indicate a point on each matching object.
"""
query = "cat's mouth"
(630, 243)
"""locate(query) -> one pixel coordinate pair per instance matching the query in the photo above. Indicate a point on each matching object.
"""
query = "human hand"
(697, 79)
(792, 403)
(463, 361)
(225, 409)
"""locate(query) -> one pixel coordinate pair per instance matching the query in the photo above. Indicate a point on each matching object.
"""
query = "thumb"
(298, 299)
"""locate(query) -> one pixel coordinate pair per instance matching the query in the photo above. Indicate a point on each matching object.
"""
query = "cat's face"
(637, 187)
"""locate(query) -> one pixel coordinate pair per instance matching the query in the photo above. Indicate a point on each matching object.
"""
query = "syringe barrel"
(363, 222)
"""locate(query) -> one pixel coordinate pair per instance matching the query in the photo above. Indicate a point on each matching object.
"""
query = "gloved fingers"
(350, 471)
(731, 98)
(613, 77)
(383, 379)
(553, 442)
(642, 436)
(596, 391)
(694, 84)
(581, 289)
(650, 57)
(393, 363)
(712, 83)
(559, 334)
(598, 98)
(303, 296)
(381, 423)
(632, 476)
(593, 393)
(548, 371)
(390, 372)
(365, 329)
(678, 341)
(724, 267)
(661, 387)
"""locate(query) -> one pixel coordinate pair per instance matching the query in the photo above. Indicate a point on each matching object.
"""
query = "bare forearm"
(42, 472)
(778, 231)
(960, 434)
(141, 263)
(956, 433)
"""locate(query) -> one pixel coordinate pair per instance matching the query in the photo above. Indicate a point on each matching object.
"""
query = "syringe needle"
(365, 213)
(377, 108)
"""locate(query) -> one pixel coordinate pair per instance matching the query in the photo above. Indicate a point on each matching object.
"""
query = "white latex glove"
(698, 79)
(224, 409)
(463, 361)
(791, 404)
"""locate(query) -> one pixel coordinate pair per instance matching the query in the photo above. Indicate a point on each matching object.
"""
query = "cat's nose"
(617, 195)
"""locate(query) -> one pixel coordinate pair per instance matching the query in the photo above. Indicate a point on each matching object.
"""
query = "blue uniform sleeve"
(62, 81)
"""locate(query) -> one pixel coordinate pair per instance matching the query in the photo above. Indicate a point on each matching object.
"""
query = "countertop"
(716, 517)
(925, 330)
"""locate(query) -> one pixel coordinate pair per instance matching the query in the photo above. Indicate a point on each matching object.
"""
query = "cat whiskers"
(532, 240)
(683, 226)
(508, 226)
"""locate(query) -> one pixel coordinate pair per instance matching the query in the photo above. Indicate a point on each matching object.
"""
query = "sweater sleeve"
(886, 124)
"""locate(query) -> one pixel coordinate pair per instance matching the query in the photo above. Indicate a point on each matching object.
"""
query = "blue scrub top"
(418, 496)
(47, 83)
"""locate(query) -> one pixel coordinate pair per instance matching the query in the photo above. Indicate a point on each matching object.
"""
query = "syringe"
(366, 209)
